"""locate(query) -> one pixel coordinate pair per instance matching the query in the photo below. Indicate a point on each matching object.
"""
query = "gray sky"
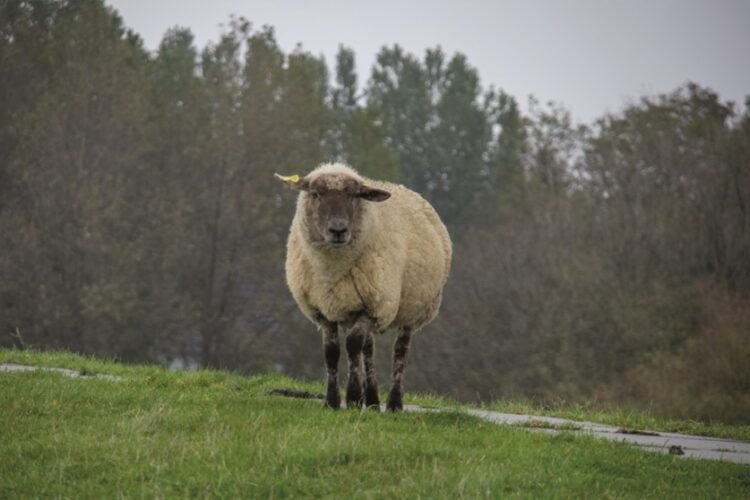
(591, 55)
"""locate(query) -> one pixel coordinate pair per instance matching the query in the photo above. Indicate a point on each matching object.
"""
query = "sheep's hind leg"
(355, 339)
(372, 400)
(400, 350)
(331, 350)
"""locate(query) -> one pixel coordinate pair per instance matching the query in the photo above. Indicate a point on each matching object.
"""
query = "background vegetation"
(607, 263)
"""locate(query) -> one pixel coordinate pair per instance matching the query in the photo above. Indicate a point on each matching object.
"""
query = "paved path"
(664, 442)
(10, 367)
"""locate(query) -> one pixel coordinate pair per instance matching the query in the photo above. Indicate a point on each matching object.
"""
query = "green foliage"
(707, 375)
(359, 134)
(437, 126)
(75, 165)
(506, 152)
(398, 89)
(459, 143)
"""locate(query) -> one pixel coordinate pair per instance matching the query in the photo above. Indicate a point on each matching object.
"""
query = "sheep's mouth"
(338, 241)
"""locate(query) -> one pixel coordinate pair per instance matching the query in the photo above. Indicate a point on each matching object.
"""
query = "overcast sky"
(591, 55)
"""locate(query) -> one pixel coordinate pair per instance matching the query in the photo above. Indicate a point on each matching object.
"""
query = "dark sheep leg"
(372, 400)
(400, 351)
(355, 339)
(331, 351)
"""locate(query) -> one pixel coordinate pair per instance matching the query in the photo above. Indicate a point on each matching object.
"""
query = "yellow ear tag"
(294, 179)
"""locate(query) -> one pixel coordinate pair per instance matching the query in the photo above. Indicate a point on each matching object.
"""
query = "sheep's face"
(334, 206)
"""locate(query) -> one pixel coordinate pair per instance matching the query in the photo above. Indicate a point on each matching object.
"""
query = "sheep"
(364, 256)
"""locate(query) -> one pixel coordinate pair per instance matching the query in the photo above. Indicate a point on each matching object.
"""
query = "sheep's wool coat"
(394, 268)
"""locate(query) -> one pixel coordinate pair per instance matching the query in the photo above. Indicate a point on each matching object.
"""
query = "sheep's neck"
(337, 261)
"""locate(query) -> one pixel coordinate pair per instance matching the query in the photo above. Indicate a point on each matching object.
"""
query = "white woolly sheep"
(364, 256)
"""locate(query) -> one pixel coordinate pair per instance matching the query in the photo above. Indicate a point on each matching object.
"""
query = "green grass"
(171, 434)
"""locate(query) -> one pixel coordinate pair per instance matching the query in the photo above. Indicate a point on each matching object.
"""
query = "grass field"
(161, 433)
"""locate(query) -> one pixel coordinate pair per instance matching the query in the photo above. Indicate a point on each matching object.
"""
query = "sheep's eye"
(314, 195)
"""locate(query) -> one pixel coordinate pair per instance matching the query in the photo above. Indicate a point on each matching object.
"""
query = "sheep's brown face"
(334, 205)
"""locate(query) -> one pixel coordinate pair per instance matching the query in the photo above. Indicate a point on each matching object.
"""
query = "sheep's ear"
(373, 194)
(294, 181)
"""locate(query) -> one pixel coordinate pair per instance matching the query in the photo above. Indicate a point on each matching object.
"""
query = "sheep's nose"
(338, 230)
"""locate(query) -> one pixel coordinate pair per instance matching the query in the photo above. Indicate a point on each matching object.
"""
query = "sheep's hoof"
(394, 401)
(394, 406)
(372, 400)
(354, 397)
(333, 399)
(334, 405)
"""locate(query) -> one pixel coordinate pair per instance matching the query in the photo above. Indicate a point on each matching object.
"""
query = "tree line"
(607, 263)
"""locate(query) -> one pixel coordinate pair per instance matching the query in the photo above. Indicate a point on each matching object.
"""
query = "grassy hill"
(160, 433)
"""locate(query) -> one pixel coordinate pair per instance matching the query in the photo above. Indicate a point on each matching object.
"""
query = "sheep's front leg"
(400, 350)
(372, 400)
(331, 351)
(355, 339)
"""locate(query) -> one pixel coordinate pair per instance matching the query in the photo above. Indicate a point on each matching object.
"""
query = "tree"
(181, 140)
(672, 193)
(553, 142)
(398, 93)
(77, 164)
(459, 141)
(507, 151)
(217, 244)
(359, 135)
